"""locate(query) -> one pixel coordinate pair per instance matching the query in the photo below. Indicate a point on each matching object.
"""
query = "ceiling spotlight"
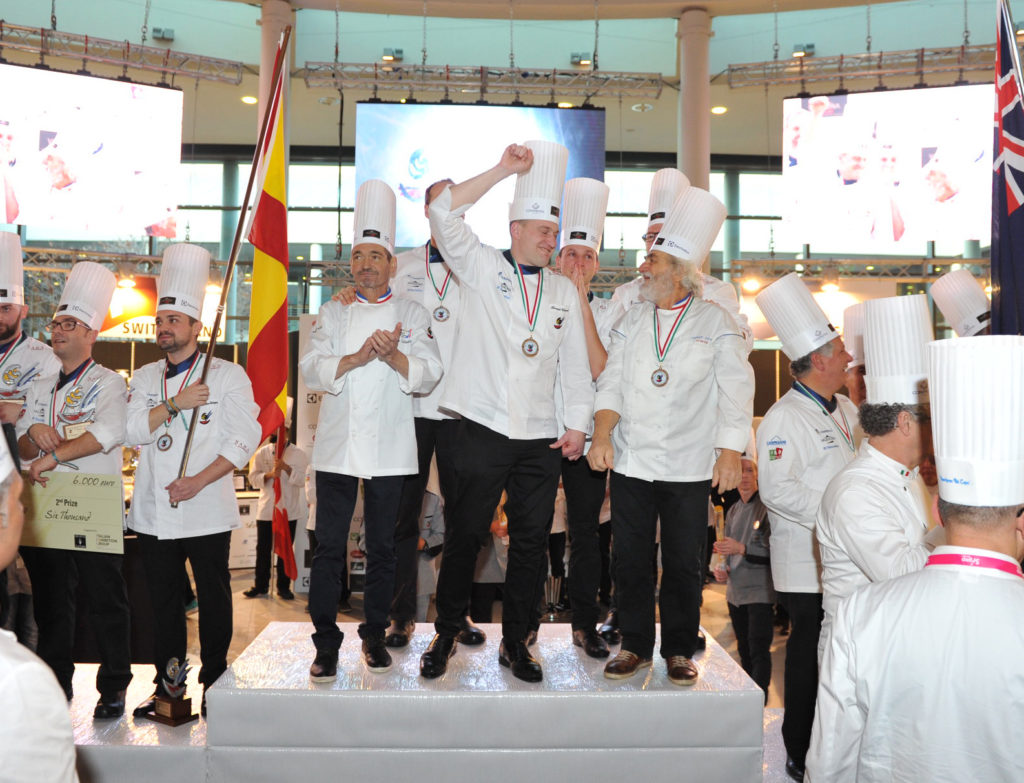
(719, 109)
(392, 55)
(751, 285)
(250, 100)
(1018, 28)
(803, 50)
(126, 282)
(580, 58)
(642, 107)
(564, 105)
(830, 279)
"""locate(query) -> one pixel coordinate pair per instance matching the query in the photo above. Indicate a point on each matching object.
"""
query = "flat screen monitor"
(83, 152)
(877, 171)
(412, 145)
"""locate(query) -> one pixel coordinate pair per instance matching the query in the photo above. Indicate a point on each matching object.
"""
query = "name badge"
(72, 431)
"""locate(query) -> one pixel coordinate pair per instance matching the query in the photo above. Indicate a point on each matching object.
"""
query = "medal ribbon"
(70, 382)
(10, 348)
(184, 383)
(443, 290)
(382, 300)
(845, 431)
(531, 315)
(975, 561)
(683, 306)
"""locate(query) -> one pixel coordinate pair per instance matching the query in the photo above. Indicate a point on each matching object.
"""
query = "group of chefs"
(510, 374)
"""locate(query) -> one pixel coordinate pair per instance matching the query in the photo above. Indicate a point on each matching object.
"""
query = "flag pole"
(236, 245)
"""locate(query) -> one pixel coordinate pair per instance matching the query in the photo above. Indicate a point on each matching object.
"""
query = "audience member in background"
(491, 563)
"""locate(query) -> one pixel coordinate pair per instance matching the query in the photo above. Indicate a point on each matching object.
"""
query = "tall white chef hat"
(374, 222)
(796, 318)
(963, 302)
(184, 275)
(897, 331)
(977, 391)
(665, 189)
(12, 284)
(853, 333)
(586, 202)
(691, 225)
(538, 192)
(87, 293)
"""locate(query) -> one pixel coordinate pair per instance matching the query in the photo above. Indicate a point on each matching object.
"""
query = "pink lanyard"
(975, 561)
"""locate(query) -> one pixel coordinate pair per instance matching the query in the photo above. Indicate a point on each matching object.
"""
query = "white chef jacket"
(921, 680)
(96, 401)
(490, 379)
(227, 427)
(36, 741)
(28, 362)
(670, 433)
(715, 290)
(365, 427)
(607, 313)
(799, 450)
(293, 485)
(411, 281)
(870, 525)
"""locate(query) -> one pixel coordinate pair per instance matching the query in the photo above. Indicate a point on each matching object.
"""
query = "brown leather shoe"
(681, 670)
(625, 665)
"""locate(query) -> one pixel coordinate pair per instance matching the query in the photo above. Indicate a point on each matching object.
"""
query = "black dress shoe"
(531, 637)
(434, 661)
(254, 592)
(702, 641)
(523, 665)
(399, 634)
(110, 705)
(470, 635)
(592, 644)
(324, 667)
(376, 655)
(794, 770)
(609, 630)
(148, 707)
(285, 593)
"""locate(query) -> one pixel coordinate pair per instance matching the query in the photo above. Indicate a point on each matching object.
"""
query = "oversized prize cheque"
(80, 511)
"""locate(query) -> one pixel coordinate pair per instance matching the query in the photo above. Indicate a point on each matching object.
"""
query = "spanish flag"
(267, 363)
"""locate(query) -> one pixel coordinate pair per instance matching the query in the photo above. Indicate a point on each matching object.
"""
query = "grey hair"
(983, 517)
(881, 418)
(688, 273)
(798, 368)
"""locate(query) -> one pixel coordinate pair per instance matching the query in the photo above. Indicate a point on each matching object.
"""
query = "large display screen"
(891, 168)
(81, 152)
(410, 146)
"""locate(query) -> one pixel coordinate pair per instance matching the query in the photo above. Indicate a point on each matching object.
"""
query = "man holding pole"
(191, 516)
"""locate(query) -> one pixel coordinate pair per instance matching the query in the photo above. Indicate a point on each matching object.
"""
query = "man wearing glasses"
(76, 423)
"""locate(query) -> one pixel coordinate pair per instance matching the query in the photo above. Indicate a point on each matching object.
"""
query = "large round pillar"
(275, 16)
(693, 154)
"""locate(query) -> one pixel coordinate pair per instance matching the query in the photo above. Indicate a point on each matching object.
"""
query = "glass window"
(202, 184)
(628, 191)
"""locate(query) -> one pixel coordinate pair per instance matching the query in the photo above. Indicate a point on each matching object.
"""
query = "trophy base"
(173, 712)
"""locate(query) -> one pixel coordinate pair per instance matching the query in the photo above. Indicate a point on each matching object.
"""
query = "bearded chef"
(369, 357)
(674, 409)
(666, 187)
(963, 303)
(188, 518)
(76, 423)
(921, 679)
(806, 437)
(874, 514)
(526, 323)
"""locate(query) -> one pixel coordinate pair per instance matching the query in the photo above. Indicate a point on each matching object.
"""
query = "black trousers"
(487, 462)
(584, 495)
(431, 435)
(164, 561)
(264, 552)
(55, 575)
(683, 509)
(801, 687)
(335, 501)
(753, 626)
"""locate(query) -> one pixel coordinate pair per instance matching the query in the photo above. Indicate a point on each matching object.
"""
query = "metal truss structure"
(39, 40)
(916, 270)
(869, 65)
(448, 79)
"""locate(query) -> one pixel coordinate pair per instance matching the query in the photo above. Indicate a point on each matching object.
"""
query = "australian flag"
(1008, 185)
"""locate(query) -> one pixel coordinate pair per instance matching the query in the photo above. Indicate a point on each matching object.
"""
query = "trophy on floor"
(174, 709)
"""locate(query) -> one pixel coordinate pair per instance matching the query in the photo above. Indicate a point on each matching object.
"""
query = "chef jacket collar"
(6, 345)
(908, 476)
(64, 377)
(434, 255)
(526, 270)
(829, 405)
(590, 296)
(174, 369)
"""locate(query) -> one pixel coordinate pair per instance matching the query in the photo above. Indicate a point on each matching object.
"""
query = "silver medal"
(441, 313)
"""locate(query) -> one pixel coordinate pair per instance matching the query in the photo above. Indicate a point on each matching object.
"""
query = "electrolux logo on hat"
(535, 206)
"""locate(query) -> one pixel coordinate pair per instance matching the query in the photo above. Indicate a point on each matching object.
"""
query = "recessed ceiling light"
(719, 109)
(642, 107)
(250, 99)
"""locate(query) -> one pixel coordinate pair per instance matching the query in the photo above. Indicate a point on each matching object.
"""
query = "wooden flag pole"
(236, 245)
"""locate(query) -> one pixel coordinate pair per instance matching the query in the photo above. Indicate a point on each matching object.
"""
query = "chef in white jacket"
(874, 514)
(921, 680)
(161, 398)
(674, 408)
(520, 323)
(666, 187)
(806, 437)
(369, 357)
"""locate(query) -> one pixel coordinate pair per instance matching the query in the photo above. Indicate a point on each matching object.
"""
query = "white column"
(275, 16)
(693, 154)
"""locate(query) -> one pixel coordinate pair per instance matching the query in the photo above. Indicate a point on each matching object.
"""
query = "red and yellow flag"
(267, 363)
